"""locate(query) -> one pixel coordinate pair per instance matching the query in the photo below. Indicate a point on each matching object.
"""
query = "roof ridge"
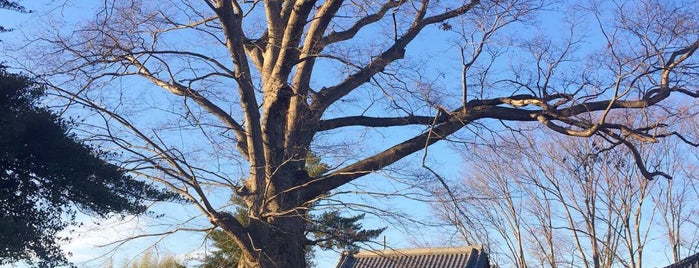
(418, 251)
(451, 257)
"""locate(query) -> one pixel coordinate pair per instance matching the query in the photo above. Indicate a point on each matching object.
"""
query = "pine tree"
(45, 172)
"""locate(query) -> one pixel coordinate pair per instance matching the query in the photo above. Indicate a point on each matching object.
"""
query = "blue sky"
(442, 157)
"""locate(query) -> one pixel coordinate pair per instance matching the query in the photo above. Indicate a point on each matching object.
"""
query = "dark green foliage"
(45, 172)
(333, 231)
(227, 253)
(314, 166)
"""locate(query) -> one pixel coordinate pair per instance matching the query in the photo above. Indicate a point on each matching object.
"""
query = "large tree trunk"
(282, 245)
(276, 230)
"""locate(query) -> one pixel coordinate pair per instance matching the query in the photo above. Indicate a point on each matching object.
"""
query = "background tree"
(45, 173)
(560, 202)
(150, 260)
(256, 85)
(675, 201)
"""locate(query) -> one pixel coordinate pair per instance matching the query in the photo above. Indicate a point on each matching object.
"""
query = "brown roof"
(454, 257)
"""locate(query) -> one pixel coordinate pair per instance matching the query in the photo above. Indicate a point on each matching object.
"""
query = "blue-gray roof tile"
(455, 257)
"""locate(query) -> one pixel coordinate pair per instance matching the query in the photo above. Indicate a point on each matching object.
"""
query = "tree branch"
(367, 121)
(638, 159)
(292, 36)
(478, 109)
(180, 90)
(335, 37)
(328, 96)
(294, 138)
(231, 17)
(319, 186)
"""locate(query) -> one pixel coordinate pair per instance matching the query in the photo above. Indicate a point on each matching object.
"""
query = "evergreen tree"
(331, 230)
(45, 173)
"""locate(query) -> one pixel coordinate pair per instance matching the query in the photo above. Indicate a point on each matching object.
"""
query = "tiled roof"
(455, 257)
(689, 262)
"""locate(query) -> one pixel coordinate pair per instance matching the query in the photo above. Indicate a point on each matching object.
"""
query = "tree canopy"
(46, 173)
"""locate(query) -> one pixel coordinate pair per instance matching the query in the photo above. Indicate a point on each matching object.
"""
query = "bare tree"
(538, 201)
(258, 83)
(676, 200)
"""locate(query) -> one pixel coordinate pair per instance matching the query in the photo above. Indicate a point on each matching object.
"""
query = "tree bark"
(281, 244)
